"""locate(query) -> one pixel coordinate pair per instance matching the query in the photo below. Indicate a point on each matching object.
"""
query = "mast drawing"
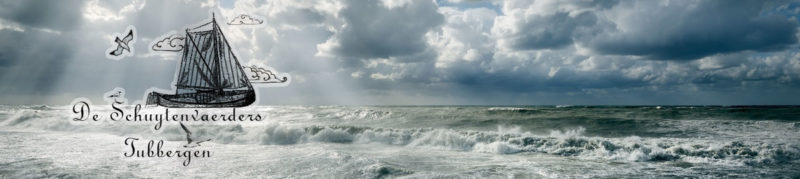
(209, 75)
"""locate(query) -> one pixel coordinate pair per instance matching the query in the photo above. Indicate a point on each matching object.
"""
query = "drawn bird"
(122, 44)
(189, 142)
(115, 96)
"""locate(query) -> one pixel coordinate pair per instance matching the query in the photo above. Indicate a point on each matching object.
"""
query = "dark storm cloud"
(601, 4)
(28, 47)
(56, 15)
(33, 62)
(300, 16)
(686, 31)
(419, 51)
(53, 48)
(550, 31)
(375, 31)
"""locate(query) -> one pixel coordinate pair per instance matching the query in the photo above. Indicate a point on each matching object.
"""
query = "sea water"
(418, 142)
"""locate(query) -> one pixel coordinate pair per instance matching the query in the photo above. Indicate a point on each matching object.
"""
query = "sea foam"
(505, 140)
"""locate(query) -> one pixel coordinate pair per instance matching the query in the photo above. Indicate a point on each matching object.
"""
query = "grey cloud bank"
(425, 52)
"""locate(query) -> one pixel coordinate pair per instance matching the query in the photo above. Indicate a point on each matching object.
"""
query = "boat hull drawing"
(209, 73)
(202, 100)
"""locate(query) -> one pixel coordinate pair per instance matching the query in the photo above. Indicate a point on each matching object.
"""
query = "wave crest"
(505, 140)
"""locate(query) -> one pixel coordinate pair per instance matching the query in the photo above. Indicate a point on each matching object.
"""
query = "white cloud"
(381, 76)
(342, 50)
(93, 11)
(5, 24)
(553, 71)
(395, 3)
(463, 37)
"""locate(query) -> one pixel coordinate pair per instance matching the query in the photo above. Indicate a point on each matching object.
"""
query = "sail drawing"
(209, 75)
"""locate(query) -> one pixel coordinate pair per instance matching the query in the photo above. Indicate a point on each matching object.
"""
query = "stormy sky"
(422, 52)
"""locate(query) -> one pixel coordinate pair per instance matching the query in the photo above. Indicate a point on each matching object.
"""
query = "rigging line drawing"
(209, 74)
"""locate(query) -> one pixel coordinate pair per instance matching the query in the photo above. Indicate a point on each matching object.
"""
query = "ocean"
(413, 142)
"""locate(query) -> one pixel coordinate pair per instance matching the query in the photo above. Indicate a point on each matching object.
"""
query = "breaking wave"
(571, 142)
(565, 143)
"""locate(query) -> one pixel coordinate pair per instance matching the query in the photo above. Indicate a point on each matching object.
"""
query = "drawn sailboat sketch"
(209, 75)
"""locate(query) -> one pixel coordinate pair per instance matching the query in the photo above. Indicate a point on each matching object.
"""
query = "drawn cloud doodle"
(245, 19)
(261, 75)
(169, 42)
